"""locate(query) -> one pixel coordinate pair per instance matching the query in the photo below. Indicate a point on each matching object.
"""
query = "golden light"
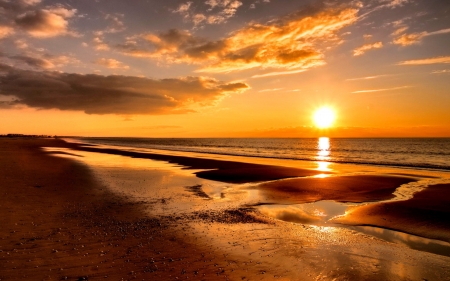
(324, 117)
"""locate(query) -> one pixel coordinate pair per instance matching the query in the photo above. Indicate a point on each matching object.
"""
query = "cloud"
(435, 60)
(42, 60)
(33, 61)
(367, 77)
(5, 31)
(394, 3)
(46, 23)
(366, 47)
(16, 5)
(111, 63)
(293, 42)
(21, 44)
(271, 90)
(442, 31)
(277, 73)
(414, 38)
(99, 45)
(115, 24)
(444, 71)
(380, 90)
(122, 95)
(30, 2)
(409, 39)
(183, 9)
(399, 31)
(215, 11)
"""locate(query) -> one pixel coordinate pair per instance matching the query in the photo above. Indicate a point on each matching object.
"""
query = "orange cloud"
(409, 39)
(293, 42)
(366, 47)
(414, 38)
(435, 60)
(111, 63)
(46, 22)
(5, 31)
(99, 45)
(122, 95)
(380, 90)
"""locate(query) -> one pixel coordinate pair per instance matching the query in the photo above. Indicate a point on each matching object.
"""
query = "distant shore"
(59, 220)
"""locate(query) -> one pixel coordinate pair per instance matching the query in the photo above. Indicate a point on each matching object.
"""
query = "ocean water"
(419, 153)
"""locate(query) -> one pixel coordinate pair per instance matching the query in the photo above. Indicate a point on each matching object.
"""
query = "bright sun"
(324, 117)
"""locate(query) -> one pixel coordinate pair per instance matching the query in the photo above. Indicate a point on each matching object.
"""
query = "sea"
(417, 153)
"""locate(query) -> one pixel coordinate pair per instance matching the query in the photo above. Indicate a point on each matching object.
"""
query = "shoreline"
(113, 228)
(211, 154)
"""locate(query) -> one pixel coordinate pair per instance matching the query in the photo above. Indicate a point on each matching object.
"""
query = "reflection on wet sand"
(322, 212)
(412, 241)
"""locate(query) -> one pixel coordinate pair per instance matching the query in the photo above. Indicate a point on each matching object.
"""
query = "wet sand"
(355, 189)
(61, 221)
(427, 214)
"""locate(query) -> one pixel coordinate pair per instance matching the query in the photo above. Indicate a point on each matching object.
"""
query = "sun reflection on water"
(323, 154)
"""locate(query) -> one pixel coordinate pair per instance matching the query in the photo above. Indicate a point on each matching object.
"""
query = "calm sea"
(424, 153)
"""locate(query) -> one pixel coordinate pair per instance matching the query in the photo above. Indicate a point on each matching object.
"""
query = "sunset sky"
(224, 68)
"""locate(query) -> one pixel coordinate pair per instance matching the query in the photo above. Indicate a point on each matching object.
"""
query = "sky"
(224, 68)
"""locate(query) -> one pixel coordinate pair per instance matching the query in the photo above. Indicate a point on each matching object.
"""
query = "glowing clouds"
(364, 48)
(293, 42)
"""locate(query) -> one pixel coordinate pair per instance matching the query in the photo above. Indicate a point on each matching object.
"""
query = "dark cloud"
(38, 22)
(95, 94)
(45, 22)
(16, 5)
(33, 61)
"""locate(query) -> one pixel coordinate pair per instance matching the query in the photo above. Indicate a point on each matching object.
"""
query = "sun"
(324, 117)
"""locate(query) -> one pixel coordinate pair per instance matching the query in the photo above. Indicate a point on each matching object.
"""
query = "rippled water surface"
(425, 153)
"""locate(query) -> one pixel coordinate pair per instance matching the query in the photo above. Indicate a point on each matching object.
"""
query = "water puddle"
(310, 213)
(321, 212)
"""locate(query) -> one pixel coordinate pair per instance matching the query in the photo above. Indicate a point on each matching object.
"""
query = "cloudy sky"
(224, 68)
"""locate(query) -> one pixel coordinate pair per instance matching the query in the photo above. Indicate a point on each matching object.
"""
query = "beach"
(86, 212)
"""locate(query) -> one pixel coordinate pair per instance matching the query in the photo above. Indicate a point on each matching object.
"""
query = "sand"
(63, 219)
